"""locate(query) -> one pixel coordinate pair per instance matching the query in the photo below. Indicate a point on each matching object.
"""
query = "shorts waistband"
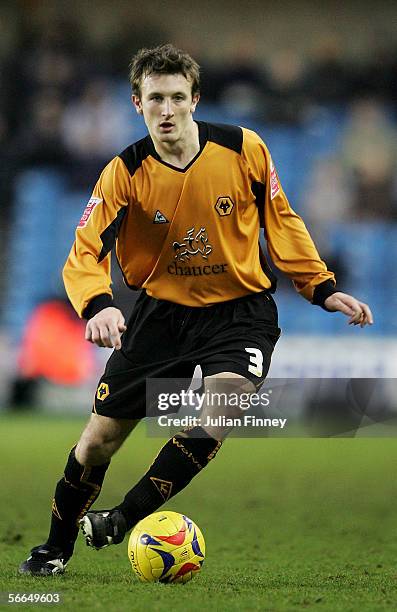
(243, 298)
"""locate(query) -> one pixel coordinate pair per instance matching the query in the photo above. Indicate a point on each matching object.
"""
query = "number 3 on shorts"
(256, 361)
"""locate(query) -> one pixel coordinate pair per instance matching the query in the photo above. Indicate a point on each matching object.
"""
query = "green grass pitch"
(290, 524)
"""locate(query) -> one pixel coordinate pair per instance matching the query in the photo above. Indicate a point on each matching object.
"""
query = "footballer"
(183, 208)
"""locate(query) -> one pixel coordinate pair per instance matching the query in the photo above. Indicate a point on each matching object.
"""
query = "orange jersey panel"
(191, 236)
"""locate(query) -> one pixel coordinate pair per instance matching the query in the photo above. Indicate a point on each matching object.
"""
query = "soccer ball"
(166, 547)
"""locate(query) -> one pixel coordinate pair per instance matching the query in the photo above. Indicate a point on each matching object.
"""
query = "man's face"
(167, 105)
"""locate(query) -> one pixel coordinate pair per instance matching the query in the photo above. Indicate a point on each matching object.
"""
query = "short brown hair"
(165, 59)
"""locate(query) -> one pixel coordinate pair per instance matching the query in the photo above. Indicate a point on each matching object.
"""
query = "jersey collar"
(203, 138)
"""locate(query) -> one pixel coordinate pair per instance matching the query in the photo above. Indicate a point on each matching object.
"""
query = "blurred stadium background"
(317, 81)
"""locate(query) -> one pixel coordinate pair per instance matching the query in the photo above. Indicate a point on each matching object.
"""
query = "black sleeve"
(322, 291)
(98, 303)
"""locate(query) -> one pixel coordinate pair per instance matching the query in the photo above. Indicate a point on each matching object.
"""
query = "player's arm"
(291, 247)
(86, 272)
(293, 251)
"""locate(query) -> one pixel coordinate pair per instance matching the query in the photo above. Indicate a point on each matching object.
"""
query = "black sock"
(74, 494)
(180, 459)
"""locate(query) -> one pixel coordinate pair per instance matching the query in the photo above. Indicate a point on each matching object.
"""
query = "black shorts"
(167, 340)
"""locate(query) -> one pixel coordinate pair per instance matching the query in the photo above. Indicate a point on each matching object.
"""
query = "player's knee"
(227, 397)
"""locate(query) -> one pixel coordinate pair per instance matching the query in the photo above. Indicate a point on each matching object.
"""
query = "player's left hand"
(359, 313)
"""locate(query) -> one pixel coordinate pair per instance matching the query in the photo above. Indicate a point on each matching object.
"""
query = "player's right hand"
(106, 327)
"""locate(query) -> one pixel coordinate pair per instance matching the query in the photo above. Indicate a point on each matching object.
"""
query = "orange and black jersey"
(191, 235)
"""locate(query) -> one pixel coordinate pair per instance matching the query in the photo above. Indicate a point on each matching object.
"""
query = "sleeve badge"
(274, 182)
(88, 210)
